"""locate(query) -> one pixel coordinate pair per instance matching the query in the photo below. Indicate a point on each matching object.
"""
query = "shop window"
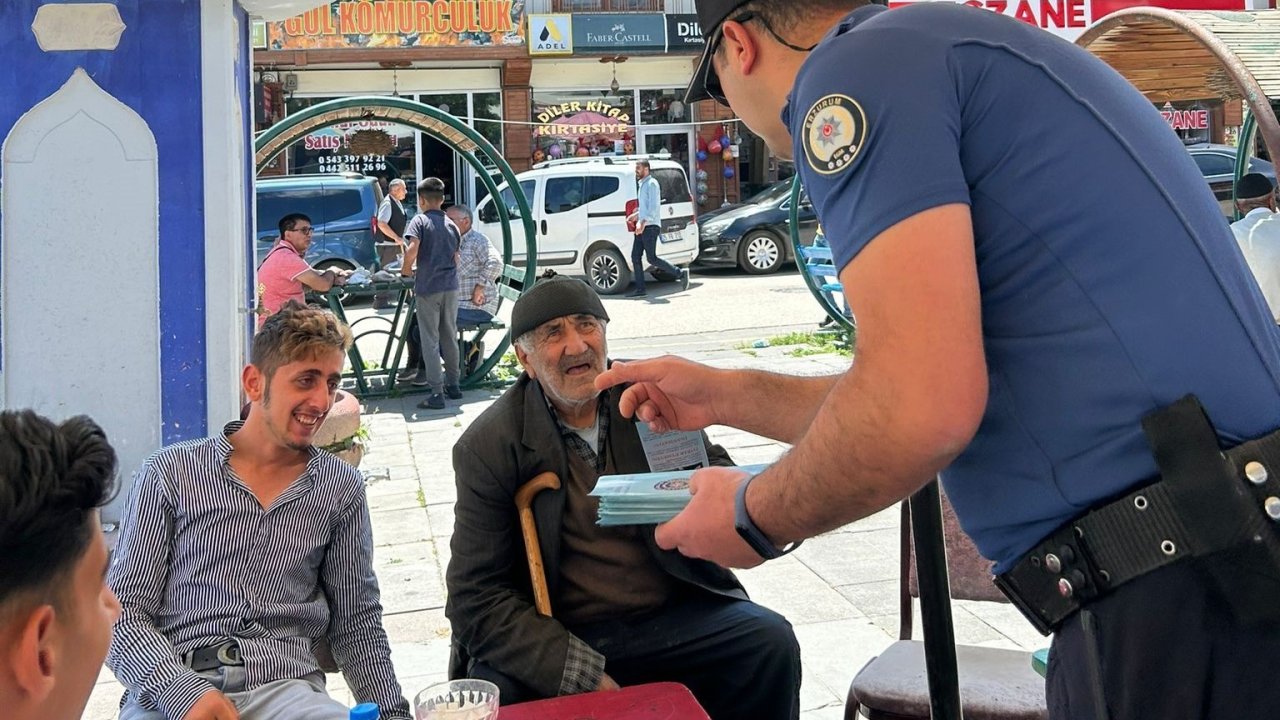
(662, 107)
(583, 123)
(329, 150)
(488, 107)
(599, 186)
(564, 194)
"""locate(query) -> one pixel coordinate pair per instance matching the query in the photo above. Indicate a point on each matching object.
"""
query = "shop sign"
(334, 143)
(550, 34)
(618, 33)
(258, 34)
(577, 119)
(1070, 18)
(401, 24)
(683, 31)
(1186, 119)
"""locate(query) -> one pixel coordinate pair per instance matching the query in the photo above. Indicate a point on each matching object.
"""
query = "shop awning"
(1192, 54)
(279, 9)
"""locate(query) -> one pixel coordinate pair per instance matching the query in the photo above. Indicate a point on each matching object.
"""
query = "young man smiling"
(240, 552)
(55, 608)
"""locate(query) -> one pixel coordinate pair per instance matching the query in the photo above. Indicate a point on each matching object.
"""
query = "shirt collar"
(222, 442)
(1259, 211)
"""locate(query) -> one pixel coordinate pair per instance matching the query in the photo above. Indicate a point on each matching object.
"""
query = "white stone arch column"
(79, 282)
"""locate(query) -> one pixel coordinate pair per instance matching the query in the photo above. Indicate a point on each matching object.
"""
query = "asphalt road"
(721, 309)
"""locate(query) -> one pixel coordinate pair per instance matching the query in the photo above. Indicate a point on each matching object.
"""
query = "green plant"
(507, 369)
(814, 343)
(361, 437)
(422, 498)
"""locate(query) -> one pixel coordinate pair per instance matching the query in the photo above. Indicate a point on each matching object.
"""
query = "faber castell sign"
(402, 23)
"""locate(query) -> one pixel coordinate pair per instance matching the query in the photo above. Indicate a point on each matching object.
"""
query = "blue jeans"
(646, 243)
(303, 699)
(740, 660)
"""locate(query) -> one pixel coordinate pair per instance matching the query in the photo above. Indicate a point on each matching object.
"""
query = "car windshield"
(770, 194)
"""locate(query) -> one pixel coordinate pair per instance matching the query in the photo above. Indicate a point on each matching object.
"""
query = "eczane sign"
(1068, 19)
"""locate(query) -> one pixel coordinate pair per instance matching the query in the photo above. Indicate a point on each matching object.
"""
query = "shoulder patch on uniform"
(834, 130)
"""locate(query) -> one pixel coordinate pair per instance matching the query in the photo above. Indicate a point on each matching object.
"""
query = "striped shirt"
(200, 562)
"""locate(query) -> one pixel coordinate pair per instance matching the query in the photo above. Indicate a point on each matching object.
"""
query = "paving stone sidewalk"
(839, 590)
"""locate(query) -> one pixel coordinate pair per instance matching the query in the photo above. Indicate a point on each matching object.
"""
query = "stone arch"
(80, 281)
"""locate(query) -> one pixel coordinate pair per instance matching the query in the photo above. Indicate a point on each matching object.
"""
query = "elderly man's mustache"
(586, 358)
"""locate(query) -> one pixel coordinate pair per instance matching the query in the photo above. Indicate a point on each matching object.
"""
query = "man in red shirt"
(283, 273)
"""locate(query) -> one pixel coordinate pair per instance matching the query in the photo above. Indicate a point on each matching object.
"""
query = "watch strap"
(750, 532)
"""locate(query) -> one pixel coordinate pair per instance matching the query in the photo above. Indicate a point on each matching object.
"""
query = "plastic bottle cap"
(364, 711)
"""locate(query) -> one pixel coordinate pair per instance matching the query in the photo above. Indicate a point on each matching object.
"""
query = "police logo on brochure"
(834, 130)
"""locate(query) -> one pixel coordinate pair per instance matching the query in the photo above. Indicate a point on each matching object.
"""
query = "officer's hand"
(704, 529)
(669, 393)
(213, 705)
(607, 683)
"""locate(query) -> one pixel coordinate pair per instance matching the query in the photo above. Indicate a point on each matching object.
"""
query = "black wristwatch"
(747, 528)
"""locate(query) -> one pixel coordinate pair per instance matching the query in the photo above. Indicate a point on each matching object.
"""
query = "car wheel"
(607, 271)
(760, 253)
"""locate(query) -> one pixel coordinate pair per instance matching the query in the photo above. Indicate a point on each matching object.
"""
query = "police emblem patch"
(834, 130)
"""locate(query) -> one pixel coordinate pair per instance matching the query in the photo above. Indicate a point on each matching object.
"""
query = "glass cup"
(457, 700)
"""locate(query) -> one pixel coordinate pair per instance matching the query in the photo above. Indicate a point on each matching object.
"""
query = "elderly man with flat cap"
(1258, 233)
(624, 611)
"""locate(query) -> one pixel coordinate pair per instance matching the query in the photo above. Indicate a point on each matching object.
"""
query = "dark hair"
(296, 332)
(52, 478)
(785, 16)
(432, 189)
(288, 221)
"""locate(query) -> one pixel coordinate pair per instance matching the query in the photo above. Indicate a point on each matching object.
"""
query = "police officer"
(1039, 274)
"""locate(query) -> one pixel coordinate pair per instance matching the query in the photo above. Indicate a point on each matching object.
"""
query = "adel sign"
(1068, 19)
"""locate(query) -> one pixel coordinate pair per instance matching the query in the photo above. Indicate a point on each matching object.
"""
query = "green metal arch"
(830, 309)
(443, 127)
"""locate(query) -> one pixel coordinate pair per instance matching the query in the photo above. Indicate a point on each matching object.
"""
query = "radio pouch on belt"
(1228, 503)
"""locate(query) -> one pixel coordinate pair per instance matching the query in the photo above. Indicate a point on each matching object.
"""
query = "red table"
(655, 701)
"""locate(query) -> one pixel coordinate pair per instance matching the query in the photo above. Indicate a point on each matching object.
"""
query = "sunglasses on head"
(711, 80)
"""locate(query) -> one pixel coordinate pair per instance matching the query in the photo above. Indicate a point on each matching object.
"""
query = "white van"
(579, 215)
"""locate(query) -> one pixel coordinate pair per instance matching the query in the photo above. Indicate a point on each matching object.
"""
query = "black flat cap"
(710, 14)
(1253, 185)
(551, 297)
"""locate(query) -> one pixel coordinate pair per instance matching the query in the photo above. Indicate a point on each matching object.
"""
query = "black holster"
(1230, 504)
(1216, 509)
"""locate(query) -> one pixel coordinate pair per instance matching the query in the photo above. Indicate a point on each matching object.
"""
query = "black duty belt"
(1208, 504)
(213, 656)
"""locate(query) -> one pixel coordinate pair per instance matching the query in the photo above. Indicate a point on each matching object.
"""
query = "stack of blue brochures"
(646, 498)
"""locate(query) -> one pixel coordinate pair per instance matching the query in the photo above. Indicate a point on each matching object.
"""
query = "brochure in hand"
(646, 498)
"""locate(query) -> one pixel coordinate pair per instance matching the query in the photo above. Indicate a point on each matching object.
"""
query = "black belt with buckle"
(1207, 503)
(213, 656)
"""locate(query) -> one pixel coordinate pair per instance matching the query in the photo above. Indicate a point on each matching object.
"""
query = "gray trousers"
(280, 700)
(438, 325)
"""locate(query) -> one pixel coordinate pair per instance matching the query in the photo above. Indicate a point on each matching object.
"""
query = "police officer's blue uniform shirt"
(1110, 284)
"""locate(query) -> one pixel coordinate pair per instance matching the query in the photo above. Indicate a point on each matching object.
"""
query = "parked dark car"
(755, 234)
(342, 208)
(1218, 165)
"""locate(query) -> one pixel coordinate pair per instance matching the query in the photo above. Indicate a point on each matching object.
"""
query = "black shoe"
(435, 401)
(420, 380)
(684, 279)
(453, 392)
(637, 293)
(826, 321)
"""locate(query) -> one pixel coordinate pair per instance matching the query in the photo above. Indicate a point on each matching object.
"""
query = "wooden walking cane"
(524, 506)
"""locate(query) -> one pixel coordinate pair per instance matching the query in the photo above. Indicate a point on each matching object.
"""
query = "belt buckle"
(229, 654)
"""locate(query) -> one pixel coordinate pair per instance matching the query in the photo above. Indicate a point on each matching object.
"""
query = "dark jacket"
(490, 603)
